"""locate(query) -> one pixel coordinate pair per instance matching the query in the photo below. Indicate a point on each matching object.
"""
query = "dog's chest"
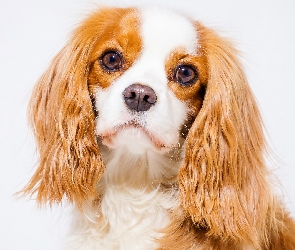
(127, 219)
(135, 217)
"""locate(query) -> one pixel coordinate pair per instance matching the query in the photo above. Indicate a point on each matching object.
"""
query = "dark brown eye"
(186, 75)
(111, 61)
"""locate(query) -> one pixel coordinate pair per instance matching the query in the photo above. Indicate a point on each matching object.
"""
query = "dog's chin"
(136, 140)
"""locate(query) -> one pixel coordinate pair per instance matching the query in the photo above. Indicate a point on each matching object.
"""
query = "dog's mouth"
(135, 136)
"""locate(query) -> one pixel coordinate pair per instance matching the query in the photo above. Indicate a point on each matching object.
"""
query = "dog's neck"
(137, 195)
(148, 170)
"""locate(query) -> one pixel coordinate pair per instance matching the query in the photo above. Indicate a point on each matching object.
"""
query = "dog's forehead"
(163, 31)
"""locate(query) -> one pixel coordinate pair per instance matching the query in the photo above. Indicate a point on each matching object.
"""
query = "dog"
(145, 122)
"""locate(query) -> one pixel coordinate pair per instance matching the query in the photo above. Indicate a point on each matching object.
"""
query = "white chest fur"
(133, 206)
(128, 219)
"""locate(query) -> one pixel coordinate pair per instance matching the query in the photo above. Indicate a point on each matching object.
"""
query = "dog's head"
(147, 80)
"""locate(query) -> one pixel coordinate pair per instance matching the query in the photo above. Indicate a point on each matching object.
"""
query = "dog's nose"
(139, 97)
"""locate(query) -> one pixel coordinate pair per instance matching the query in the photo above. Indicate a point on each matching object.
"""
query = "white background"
(32, 32)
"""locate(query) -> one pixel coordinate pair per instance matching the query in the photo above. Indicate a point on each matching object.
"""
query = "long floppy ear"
(223, 180)
(63, 121)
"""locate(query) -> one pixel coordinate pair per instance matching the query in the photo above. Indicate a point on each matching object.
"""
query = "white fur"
(131, 220)
(134, 207)
(131, 212)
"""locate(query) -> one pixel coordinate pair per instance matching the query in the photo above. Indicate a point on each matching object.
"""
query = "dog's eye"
(186, 75)
(111, 61)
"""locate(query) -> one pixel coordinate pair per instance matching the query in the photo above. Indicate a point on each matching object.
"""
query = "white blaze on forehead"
(163, 31)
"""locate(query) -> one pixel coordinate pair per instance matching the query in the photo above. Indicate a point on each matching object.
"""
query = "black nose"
(139, 97)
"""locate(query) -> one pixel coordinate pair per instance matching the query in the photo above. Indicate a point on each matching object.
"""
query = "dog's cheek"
(195, 106)
(110, 108)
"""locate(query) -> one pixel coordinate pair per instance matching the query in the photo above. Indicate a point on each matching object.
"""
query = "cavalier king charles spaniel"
(145, 122)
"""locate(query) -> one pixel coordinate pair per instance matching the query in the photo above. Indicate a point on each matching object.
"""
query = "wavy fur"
(223, 197)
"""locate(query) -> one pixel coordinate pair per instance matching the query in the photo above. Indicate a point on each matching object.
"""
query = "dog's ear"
(222, 182)
(63, 122)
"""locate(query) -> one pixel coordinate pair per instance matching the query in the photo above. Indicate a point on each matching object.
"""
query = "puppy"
(145, 122)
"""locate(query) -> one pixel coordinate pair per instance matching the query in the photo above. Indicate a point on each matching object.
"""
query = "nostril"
(129, 94)
(133, 95)
(139, 97)
(146, 98)
(151, 98)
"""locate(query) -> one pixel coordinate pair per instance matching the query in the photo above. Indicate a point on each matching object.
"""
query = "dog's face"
(147, 79)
